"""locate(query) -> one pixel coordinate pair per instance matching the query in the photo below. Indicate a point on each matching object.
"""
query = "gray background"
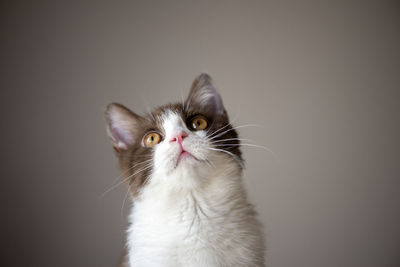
(321, 78)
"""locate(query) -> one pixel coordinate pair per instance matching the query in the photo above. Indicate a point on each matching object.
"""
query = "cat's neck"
(221, 180)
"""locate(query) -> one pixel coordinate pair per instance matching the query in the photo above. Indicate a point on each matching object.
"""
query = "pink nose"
(178, 137)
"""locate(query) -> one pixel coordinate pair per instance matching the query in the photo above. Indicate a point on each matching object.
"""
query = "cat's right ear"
(204, 94)
(122, 126)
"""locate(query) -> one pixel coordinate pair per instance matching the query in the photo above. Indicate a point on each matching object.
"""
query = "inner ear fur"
(122, 126)
(204, 94)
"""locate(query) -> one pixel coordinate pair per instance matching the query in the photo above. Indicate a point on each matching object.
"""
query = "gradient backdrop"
(321, 78)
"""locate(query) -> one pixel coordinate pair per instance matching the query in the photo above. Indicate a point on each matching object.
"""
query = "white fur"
(192, 213)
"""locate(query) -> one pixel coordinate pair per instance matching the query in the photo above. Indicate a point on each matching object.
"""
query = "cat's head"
(181, 145)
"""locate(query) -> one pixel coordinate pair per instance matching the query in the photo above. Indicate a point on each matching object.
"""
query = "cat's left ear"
(204, 95)
(122, 126)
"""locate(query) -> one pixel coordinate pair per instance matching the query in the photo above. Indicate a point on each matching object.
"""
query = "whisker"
(124, 180)
(146, 181)
(233, 128)
(229, 153)
(220, 129)
(125, 172)
(137, 172)
(208, 131)
(123, 203)
(231, 139)
(130, 168)
(251, 145)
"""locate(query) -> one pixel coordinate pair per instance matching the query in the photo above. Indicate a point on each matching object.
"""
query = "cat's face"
(179, 144)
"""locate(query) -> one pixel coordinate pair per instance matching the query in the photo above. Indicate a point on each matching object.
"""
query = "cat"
(183, 166)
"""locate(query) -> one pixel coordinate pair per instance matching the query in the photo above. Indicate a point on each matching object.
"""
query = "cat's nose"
(178, 137)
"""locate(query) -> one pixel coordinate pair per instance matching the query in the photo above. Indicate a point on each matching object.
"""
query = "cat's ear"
(122, 125)
(204, 94)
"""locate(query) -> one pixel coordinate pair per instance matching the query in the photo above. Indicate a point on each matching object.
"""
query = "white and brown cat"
(183, 165)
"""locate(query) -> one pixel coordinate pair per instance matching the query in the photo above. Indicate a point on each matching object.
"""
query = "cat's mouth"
(183, 156)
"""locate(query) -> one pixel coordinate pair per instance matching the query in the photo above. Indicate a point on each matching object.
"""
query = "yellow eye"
(151, 139)
(199, 123)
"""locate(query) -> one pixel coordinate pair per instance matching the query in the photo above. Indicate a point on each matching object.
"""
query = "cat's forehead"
(167, 109)
(168, 115)
(171, 120)
(181, 109)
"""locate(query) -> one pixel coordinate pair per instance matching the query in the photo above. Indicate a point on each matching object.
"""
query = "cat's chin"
(184, 155)
(185, 158)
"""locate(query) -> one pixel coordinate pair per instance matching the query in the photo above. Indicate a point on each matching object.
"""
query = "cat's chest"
(175, 216)
(179, 221)
(175, 230)
(192, 229)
